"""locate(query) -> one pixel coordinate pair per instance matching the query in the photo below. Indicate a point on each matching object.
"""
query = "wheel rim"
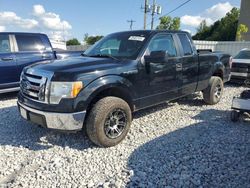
(115, 123)
(218, 91)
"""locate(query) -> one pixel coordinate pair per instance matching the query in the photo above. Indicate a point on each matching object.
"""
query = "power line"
(181, 5)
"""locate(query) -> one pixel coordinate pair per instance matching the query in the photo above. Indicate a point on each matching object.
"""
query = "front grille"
(240, 67)
(33, 86)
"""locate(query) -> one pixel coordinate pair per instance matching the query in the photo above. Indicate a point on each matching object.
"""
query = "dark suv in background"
(17, 50)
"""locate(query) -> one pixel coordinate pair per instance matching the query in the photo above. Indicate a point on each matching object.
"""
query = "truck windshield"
(245, 54)
(119, 45)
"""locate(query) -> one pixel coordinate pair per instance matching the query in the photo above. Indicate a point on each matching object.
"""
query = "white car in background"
(241, 66)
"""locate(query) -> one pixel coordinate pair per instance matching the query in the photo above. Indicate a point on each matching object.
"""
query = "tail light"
(230, 62)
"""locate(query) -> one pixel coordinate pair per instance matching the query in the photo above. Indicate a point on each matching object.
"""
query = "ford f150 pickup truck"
(18, 50)
(122, 73)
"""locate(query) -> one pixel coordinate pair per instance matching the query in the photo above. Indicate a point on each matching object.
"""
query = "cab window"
(4, 44)
(162, 43)
(29, 43)
(186, 45)
(245, 54)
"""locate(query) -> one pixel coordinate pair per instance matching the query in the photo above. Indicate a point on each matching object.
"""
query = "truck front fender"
(101, 84)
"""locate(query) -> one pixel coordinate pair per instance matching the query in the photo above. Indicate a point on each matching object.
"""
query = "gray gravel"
(184, 143)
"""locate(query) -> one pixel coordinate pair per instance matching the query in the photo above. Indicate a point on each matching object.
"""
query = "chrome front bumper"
(52, 120)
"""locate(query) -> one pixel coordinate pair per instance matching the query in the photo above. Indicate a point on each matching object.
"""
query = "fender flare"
(97, 86)
(219, 67)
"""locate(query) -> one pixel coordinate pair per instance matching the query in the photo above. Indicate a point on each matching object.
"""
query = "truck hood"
(75, 64)
(77, 68)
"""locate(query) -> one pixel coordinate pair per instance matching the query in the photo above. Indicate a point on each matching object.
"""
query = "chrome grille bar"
(33, 80)
(33, 86)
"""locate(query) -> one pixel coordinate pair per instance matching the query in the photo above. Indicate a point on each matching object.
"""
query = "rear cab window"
(5, 43)
(29, 43)
(186, 44)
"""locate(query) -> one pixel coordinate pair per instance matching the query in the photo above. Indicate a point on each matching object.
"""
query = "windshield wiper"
(104, 55)
(84, 55)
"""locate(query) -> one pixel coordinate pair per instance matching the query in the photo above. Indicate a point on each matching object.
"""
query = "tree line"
(89, 40)
(225, 29)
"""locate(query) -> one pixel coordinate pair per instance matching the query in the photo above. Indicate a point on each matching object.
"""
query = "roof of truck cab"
(132, 32)
(26, 33)
(152, 31)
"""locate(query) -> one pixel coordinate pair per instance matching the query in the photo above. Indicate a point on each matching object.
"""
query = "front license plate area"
(23, 113)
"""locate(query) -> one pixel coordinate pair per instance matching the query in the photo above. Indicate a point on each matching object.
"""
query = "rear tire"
(213, 93)
(109, 121)
(235, 116)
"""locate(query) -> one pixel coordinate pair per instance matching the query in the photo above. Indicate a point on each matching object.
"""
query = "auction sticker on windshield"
(137, 38)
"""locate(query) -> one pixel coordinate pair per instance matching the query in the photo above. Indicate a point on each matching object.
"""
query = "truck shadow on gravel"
(19, 133)
(190, 100)
(211, 153)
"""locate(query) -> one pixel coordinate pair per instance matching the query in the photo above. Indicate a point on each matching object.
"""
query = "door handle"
(7, 58)
(179, 66)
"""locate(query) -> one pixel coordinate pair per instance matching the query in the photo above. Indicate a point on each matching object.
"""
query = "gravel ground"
(184, 143)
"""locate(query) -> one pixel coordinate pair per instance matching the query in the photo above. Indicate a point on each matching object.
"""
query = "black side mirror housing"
(156, 57)
(54, 53)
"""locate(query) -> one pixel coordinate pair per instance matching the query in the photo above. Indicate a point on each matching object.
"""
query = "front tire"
(109, 121)
(213, 93)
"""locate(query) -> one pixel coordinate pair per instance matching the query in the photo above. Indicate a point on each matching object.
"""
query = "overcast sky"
(66, 19)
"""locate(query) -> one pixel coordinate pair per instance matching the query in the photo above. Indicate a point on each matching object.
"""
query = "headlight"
(59, 90)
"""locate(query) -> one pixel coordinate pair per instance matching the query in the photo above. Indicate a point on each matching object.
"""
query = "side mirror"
(54, 53)
(156, 57)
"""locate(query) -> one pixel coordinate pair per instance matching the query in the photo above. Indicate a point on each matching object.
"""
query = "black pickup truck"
(122, 73)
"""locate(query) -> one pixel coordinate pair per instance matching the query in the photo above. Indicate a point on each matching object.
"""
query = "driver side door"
(163, 78)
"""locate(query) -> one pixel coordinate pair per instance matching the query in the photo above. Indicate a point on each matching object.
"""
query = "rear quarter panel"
(211, 64)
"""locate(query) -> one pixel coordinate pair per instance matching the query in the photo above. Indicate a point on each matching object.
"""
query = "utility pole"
(145, 14)
(154, 10)
(131, 23)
